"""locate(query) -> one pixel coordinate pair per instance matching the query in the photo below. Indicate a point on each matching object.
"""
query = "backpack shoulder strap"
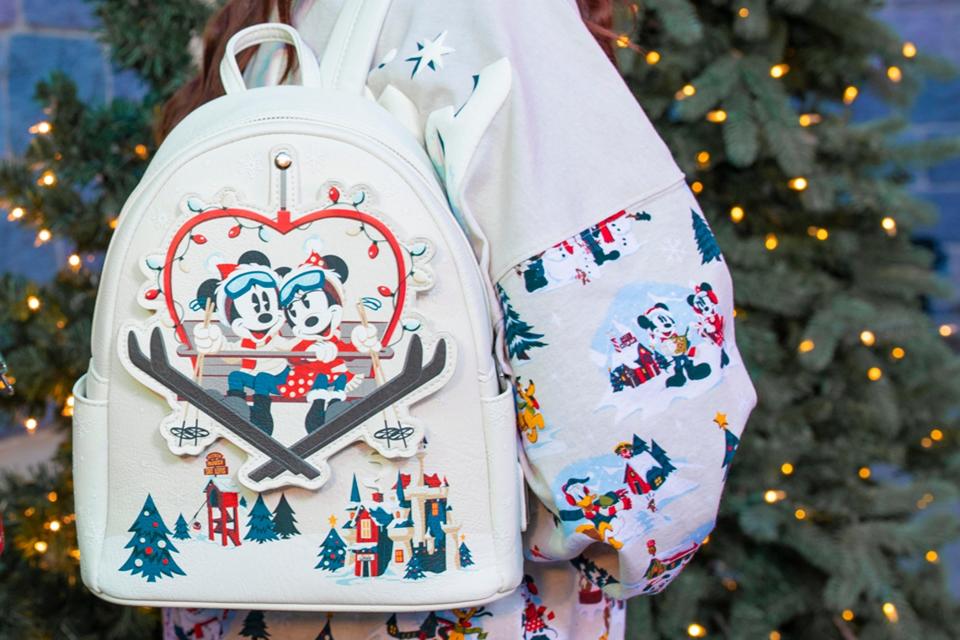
(348, 57)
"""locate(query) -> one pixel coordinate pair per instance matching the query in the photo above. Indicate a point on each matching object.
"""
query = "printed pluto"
(255, 301)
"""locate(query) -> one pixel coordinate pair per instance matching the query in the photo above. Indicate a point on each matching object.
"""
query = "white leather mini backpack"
(293, 400)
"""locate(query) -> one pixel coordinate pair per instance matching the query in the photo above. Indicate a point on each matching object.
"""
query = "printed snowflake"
(430, 53)
(674, 250)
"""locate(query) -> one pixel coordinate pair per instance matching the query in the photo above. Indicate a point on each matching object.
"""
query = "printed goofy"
(662, 329)
(245, 299)
(312, 299)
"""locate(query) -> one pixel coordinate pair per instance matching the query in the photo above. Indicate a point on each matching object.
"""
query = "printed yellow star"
(332, 521)
(721, 420)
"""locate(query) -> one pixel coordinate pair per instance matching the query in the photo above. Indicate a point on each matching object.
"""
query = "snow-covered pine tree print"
(284, 520)
(180, 529)
(520, 336)
(706, 241)
(255, 626)
(260, 524)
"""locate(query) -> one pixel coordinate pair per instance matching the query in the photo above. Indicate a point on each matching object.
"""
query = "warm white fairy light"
(33, 303)
(15, 214)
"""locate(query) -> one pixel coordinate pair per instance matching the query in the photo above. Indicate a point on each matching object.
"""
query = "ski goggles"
(305, 282)
(239, 285)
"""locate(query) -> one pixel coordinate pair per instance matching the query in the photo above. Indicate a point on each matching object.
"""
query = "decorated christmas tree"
(333, 551)
(466, 558)
(284, 522)
(180, 529)
(260, 523)
(520, 336)
(255, 626)
(151, 549)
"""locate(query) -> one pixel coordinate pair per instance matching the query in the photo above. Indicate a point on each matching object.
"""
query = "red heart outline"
(283, 224)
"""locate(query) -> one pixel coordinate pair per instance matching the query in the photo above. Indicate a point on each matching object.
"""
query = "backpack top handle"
(230, 74)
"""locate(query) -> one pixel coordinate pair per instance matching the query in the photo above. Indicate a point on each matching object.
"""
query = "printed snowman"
(246, 299)
(312, 299)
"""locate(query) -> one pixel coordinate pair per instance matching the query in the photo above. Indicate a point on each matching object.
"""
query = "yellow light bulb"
(771, 242)
(74, 261)
(932, 556)
(822, 234)
(653, 57)
(799, 183)
(52, 496)
(898, 353)
(800, 514)
(688, 90)
(850, 94)
(936, 435)
(15, 214)
(806, 346)
(809, 119)
(75, 554)
(43, 127)
(697, 187)
(771, 495)
(786, 469)
(890, 610)
(889, 225)
(706, 540)
(868, 338)
(30, 424)
(43, 235)
(894, 73)
(55, 526)
(774, 635)
(743, 12)
(926, 443)
(874, 373)
(696, 631)
(47, 179)
(736, 214)
(703, 158)
(909, 50)
(33, 303)
(717, 116)
(864, 473)
(847, 615)
(112, 223)
(40, 546)
(623, 41)
(779, 70)
(946, 330)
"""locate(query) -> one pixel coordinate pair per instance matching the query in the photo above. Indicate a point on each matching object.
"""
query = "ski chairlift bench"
(218, 366)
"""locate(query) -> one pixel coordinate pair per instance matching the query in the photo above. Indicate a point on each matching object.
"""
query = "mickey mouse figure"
(312, 299)
(246, 299)
(704, 303)
(663, 332)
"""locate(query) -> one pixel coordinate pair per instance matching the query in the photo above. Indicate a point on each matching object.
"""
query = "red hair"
(238, 14)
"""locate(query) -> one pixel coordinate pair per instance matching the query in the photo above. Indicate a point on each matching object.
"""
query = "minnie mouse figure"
(312, 299)
(246, 299)
(704, 302)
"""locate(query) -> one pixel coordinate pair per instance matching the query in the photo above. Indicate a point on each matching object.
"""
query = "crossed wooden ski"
(294, 458)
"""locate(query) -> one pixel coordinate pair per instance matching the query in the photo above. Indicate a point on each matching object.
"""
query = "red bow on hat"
(315, 260)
